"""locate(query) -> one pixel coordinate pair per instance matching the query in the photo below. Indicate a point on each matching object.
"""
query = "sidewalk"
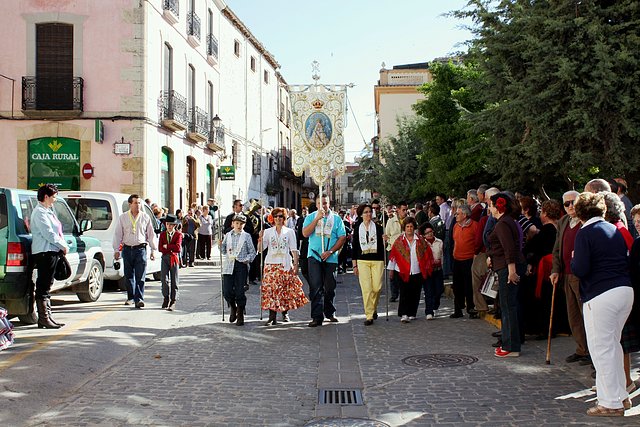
(214, 373)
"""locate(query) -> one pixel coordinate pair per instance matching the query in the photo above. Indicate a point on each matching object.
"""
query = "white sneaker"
(429, 316)
(412, 318)
(405, 319)
(128, 302)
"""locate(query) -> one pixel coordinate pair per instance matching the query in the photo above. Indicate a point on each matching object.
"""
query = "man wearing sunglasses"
(568, 227)
(326, 234)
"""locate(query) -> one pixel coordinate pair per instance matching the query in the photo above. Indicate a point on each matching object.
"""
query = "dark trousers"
(233, 285)
(394, 284)
(508, 294)
(462, 285)
(45, 264)
(409, 295)
(135, 270)
(188, 252)
(254, 269)
(322, 288)
(433, 289)
(304, 267)
(169, 277)
(204, 246)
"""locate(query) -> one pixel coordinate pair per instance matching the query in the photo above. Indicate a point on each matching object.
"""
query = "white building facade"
(120, 95)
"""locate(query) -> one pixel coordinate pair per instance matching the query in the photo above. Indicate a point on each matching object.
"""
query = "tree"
(367, 177)
(454, 157)
(561, 82)
(400, 172)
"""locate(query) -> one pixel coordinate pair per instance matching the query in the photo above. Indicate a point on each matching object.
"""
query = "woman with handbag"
(506, 258)
(46, 246)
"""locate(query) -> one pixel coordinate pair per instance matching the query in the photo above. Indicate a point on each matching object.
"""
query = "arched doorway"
(191, 192)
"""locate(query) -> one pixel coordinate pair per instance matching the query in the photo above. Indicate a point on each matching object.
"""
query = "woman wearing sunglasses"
(281, 286)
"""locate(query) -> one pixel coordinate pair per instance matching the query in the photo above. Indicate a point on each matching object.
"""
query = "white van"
(103, 209)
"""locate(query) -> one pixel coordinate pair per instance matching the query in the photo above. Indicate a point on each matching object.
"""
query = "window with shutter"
(54, 67)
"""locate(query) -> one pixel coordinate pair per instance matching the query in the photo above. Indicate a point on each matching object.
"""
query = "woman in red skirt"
(281, 286)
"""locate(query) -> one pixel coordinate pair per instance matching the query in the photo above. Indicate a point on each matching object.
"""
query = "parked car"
(103, 209)
(17, 278)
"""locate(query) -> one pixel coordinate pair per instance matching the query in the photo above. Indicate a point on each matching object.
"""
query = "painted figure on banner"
(318, 130)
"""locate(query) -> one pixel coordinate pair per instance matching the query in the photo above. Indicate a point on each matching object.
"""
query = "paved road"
(113, 366)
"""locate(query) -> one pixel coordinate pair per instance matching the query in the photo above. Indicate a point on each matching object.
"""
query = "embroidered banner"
(318, 125)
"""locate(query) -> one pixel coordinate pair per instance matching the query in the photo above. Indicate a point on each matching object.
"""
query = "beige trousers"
(478, 272)
(370, 277)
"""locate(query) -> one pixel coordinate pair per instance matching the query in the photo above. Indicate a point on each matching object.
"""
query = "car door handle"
(70, 242)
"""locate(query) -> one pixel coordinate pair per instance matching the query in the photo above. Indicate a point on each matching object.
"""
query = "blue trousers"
(135, 270)
(233, 285)
(322, 288)
(508, 294)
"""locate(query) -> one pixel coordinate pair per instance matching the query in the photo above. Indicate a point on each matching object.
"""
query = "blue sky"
(350, 39)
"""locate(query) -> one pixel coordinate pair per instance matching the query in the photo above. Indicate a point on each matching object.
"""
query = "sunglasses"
(364, 212)
(568, 203)
(279, 216)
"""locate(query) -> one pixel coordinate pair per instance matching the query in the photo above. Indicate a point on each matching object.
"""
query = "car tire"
(92, 287)
(157, 276)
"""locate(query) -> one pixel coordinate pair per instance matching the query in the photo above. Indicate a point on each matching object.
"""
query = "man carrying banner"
(326, 234)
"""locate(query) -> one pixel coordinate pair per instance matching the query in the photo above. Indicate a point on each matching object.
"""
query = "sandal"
(601, 411)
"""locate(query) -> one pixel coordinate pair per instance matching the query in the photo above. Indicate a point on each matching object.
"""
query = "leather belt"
(140, 246)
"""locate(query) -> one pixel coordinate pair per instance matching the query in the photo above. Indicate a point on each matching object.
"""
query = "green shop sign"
(227, 173)
(54, 161)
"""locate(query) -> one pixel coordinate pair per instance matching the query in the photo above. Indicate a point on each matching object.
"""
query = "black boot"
(48, 305)
(285, 316)
(165, 302)
(234, 312)
(272, 318)
(240, 315)
(43, 316)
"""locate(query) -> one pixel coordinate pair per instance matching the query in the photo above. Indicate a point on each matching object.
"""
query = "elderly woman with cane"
(281, 286)
(368, 260)
(600, 261)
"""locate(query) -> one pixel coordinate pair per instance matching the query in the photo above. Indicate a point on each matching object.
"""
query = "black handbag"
(63, 268)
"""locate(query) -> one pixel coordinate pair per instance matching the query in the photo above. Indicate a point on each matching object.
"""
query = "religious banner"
(318, 124)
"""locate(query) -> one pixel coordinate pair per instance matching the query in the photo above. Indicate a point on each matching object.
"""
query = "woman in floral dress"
(281, 286)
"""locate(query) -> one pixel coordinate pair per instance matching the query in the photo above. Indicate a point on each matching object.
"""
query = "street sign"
(227, 173)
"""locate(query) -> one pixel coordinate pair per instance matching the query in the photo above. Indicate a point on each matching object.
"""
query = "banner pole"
(220, 233)
(261, 253)
(386, 272)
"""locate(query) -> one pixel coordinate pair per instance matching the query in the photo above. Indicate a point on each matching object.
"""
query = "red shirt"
(568, 242)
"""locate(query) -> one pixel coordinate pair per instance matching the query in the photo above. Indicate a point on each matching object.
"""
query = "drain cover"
(340, 397)
(345, 422)
(439, 360)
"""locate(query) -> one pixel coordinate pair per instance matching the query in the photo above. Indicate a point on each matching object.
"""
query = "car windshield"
(98, 211)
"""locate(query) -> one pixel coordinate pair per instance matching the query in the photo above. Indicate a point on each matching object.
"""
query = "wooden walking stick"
(553, 300)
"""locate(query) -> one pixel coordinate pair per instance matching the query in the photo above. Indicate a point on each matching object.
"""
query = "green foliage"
(561, 82)
(454, 157)
(367, 177)
(400, 172)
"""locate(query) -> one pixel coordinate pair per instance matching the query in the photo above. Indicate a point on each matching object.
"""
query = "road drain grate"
(345, 397)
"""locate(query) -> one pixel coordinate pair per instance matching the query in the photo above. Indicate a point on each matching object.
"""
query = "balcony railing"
(173, 6)
(216, 138)
(212, 46)
(199, 125)
(52, 93)
(193, 25)
(173, 110)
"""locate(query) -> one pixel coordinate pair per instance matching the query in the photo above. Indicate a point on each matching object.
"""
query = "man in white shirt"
(134, 231)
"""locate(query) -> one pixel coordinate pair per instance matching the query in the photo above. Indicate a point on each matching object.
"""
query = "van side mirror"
(85, 225)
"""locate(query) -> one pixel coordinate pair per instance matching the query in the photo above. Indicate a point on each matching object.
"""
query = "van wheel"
(92, 288)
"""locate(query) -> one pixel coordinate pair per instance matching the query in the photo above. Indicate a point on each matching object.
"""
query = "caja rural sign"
(54, 160)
